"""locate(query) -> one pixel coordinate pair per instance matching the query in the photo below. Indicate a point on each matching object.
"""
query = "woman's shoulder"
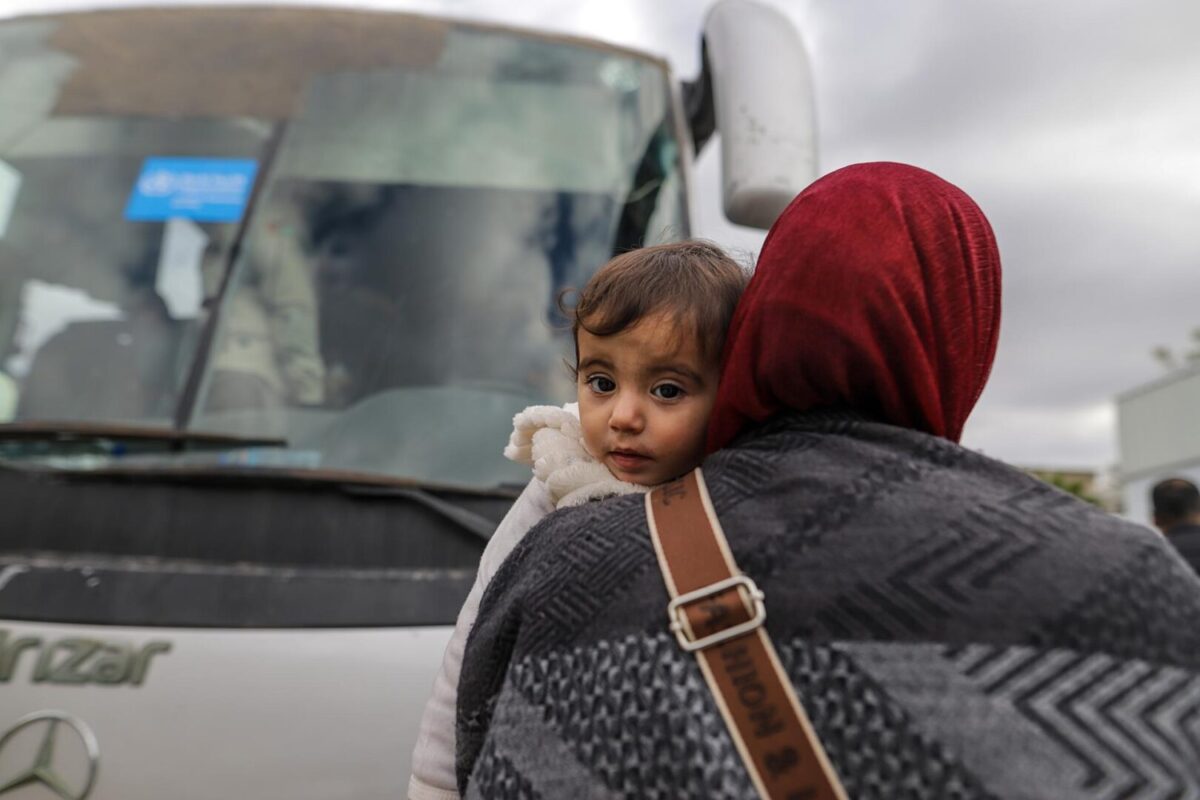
(840, 460)
(873, 511)
(563, 539)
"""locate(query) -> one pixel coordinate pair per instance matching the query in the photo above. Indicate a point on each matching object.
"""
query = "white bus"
(273, 282)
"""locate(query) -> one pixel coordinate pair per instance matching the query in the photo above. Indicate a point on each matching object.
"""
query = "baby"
(649, 328)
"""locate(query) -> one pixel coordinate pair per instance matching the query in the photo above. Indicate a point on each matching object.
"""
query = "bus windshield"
(346, 232)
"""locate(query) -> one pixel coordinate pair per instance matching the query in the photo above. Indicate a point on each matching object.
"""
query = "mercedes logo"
(52, 727)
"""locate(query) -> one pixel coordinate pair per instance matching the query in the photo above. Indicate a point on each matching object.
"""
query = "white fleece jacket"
(549, 439)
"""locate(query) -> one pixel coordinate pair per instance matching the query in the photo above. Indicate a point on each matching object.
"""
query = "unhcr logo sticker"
(200, 189)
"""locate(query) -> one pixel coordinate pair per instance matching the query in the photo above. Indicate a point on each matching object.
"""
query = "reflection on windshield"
(386, 299)
(436, 312)
(47, 309)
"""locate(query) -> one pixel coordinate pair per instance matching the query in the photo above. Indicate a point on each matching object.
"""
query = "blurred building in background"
(1158, 436)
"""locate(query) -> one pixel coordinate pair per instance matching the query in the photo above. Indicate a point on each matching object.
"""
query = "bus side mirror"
(762, 95)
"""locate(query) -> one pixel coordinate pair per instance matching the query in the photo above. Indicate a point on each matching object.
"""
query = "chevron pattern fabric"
(1132, 728)
(954, 628)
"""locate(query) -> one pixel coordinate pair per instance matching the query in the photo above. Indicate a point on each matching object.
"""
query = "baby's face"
(644, 399)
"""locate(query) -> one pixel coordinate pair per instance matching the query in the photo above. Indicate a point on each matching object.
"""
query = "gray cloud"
(1075, 127)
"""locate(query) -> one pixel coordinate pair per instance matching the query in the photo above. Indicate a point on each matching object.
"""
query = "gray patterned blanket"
(954, 628)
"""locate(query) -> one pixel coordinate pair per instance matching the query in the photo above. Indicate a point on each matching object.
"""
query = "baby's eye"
(601, 384)
(668, 391)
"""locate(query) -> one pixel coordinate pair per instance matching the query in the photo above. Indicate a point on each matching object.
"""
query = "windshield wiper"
(468, 520)
(74, 431)
(186, 408)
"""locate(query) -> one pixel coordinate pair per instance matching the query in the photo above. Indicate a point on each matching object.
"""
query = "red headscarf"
(877, 290)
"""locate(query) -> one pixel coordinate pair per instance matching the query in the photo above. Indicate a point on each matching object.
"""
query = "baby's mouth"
(628, 459)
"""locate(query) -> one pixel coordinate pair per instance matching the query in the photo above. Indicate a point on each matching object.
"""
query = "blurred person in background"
(1176, 504)
(270, 353)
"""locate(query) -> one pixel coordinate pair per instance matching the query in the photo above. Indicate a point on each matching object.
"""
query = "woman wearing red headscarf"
(953, 627)
(879, 291)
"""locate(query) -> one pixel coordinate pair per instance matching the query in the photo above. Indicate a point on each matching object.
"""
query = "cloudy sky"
(1074, 124)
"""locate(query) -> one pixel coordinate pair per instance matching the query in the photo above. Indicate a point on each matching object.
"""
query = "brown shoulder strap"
(717, 613)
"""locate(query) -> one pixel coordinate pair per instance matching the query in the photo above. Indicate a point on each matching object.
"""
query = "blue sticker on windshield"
(201, 189)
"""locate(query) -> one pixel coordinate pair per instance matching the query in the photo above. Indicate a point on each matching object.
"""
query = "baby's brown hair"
(694, 281)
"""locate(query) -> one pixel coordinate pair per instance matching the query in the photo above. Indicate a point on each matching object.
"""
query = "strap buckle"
(676, 613)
